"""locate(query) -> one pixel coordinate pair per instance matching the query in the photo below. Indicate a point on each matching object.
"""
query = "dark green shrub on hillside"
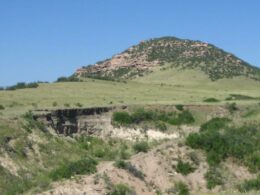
(179, 107)
(122, 189)
(84, 166)
(211, 100)
(23, 85)
(182, 188)
(143, 115)
(241, 143)
(32, 123)
(2, 107)
(184, 117)
(184, 168)
(215, 124)
(232, 107)
(213, 178)
(142, 146)
(157, 117)
(68, 79)
(122, 118)
(248, 185)
(79, 105)
(161, 126)
(130, 168)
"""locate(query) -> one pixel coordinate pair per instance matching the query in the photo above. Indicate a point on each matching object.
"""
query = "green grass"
(184, 168)
(146, 91)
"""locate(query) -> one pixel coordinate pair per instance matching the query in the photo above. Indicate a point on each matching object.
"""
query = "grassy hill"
(171, 52)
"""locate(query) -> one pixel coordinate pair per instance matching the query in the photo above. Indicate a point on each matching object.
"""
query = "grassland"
(159, 87)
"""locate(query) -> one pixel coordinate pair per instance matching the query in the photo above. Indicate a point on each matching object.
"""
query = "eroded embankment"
(75, 120)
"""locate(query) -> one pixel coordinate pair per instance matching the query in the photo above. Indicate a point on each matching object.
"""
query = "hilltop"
(170, 53)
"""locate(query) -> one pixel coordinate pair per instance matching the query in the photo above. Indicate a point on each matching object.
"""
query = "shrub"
(184, 117)
(215, 124)
(33, 123)
(130, 168)
(182, 188)
(2, 107)
(213, 178)
(252, 184)
(184, 168)
(211, 100)
(241, 143)
(67, 105)
(79, 105)
(122, 189)
(83, 166)
(68, 79)
(161, 126)
(122, 118)
(232, 107)
(143, 115)
(23, 85)
(141, 147)
(179, 107)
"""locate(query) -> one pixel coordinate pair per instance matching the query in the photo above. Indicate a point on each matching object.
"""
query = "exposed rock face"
(71, 121)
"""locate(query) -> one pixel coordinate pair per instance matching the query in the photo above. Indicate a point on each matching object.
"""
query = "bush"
(141, 115)
(213, 178)
(141, 147)
(211, 100)
(241, 143)
(182, 188)
(84, 166)
(68, 79)
(130, 168)
(67, 105)
(23, 85)
(215, 124)
(179, 107)
(122, 118)
(79, 105)
(2, 107)
(232, 107)
(184, 168)
(184, 117)
(161, 126)
(252, 184)
(122, 189)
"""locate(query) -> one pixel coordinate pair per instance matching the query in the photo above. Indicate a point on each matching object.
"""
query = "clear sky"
(45, 39)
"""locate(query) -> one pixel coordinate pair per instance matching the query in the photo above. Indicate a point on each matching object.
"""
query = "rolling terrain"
(166, 116)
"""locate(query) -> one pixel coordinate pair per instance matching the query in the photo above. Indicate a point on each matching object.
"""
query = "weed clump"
(211, 100)
(248, 185)
(2, 107)
(184, 167)
(130, 168)
(122, 189)
(142, 146)
(213, 178)
(83, 166)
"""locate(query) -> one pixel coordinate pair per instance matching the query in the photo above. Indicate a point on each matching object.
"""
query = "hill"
(171, 52)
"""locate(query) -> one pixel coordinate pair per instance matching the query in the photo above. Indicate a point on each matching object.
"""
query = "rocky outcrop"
(71, 121)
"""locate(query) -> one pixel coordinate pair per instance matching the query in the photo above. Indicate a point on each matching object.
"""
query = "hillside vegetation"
(182, 54)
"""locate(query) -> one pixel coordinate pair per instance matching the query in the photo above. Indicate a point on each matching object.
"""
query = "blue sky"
(45, 39)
